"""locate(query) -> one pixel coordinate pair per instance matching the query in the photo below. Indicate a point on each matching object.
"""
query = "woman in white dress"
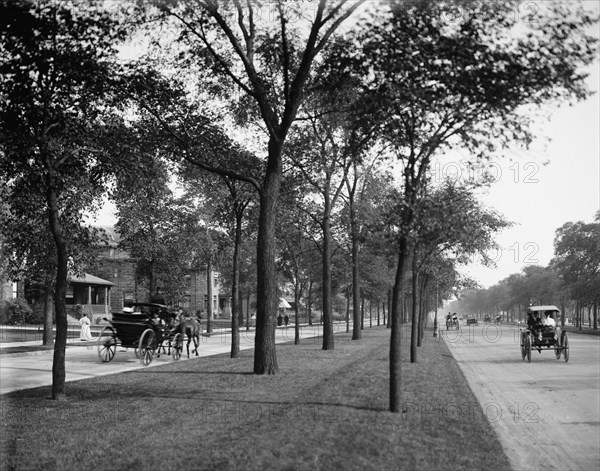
(86, 333)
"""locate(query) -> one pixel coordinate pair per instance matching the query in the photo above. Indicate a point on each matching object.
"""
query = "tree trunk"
(362, 313)
(396, 334)
(235, 288)
(265, 357)
(414, 332)
(422, 308)
(48, 335)
(328, 342)
(60, 291)
(356, 327)
(348, 294)
(309, 302)
(209, 296)
(297, 309)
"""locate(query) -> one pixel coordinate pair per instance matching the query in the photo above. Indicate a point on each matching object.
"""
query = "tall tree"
(269, 65)
(465, 82)
(56, 68)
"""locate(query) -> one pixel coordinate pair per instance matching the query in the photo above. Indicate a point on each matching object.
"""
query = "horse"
(167, 331)
(191, 327)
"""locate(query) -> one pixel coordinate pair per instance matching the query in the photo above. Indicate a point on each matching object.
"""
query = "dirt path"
(547, 412)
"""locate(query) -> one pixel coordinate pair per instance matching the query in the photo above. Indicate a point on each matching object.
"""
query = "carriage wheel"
(177, 346)
(528, 348)
(523, 351)
(107, 344)
(558, 349)
(147, 345)
(565, 346)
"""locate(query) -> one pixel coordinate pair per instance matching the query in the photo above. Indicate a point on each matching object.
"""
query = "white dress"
(86, 333)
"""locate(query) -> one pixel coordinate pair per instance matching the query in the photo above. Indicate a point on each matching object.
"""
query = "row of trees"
(571, 281)
(294, 121)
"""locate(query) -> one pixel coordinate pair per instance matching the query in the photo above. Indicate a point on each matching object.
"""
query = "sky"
(556, 181)
(541, 189)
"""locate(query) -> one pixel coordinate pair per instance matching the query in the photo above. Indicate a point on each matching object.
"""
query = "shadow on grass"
(231, 373)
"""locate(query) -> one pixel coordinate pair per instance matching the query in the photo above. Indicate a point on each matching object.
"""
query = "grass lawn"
(325, 410)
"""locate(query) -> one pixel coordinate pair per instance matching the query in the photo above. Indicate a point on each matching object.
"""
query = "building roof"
(284, 304)
(88, 279)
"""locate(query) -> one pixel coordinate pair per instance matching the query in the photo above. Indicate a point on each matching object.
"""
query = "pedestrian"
(279, 320)
(286, 319)
(86, 333)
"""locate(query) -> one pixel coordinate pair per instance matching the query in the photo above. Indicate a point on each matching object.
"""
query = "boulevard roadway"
(546, 413)
(33, 369)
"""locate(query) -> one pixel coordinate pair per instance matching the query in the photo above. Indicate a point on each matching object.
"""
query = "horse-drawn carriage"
(471, 320)
(543, 333)
(452, 322)
(146, 329)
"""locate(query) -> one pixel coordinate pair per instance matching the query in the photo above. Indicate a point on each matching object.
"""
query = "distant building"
(113, 284)
(114, 264)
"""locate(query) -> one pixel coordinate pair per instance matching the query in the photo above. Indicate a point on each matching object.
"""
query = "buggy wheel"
(107, 344)
(558, 349)
(177, 346)
(565, 346)
(528, 348)
(147, 345)
(523, 351)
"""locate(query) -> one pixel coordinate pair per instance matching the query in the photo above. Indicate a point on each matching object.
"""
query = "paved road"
(547, 412)
(21, 371)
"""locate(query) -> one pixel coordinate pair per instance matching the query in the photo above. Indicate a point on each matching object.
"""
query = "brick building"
(115, 265)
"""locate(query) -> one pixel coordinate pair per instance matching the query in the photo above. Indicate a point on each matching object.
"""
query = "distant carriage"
(540, 335)
(452, 322)
(137, 330)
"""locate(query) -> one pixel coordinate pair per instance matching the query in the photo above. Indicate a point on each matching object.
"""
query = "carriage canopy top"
(548, 307)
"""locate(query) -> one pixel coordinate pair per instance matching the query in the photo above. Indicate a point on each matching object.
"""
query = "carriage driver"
(534, 324)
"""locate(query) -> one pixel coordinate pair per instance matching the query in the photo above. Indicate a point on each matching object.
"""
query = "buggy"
(452, 322)
(543, 334)
(138, 330)
(473, 321)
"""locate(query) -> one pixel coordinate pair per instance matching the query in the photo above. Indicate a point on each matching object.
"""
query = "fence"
(32, 333)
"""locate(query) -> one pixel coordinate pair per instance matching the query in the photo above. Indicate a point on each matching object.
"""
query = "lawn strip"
(325, 410)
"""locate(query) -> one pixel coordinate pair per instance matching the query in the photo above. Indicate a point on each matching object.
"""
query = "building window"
(115, 272)
(15, 289)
